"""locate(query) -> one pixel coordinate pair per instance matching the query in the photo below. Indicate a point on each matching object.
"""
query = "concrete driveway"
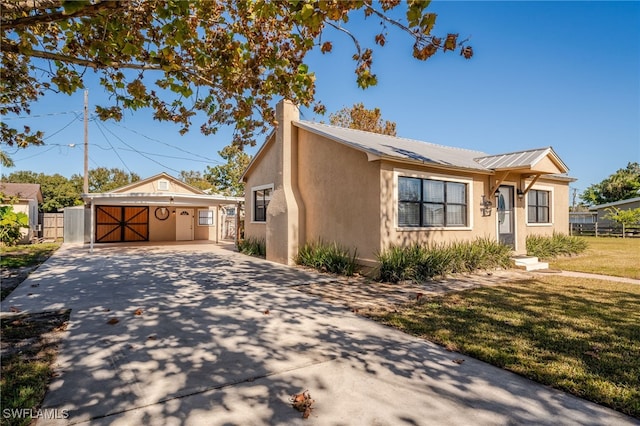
(222, 339)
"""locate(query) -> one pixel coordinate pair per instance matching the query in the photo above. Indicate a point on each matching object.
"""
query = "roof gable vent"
(163, 185)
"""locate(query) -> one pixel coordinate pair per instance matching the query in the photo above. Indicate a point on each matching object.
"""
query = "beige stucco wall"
(165, 230)
(264, 173)
(338, 186)
(162, 230)
(559, 220)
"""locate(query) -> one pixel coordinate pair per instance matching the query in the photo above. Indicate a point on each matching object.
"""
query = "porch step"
(529, 263)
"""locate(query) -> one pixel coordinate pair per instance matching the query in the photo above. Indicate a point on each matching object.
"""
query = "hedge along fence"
(422, 262)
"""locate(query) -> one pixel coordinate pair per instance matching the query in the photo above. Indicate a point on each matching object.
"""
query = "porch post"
(92, 227)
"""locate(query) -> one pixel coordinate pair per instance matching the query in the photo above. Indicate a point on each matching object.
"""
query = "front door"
(184, 224)
(505, 216)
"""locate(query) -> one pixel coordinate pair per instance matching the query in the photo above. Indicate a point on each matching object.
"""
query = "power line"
(169, 145)
(114, 150)
(20, 117)
(138, 152)
(58, 131)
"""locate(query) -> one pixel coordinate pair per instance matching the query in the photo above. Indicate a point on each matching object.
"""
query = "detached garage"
(159, 208)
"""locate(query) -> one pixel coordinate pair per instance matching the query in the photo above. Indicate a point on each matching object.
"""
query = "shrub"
(327, 258)
(253, 247)
(10, 224)
(545, 247)
(420, 262)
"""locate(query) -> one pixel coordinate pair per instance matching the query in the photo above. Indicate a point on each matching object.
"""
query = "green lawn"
(26, 255)
(578, 335)
(605, 255)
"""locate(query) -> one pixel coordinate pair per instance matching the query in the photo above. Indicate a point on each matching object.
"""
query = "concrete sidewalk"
(223, 339)
(574, 274)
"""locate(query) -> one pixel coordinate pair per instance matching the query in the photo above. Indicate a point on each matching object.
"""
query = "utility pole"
(85, 187)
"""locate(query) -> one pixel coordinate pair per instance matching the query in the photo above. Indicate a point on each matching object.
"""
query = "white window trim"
(397, 173)
(552, 210)
(213, 216)
(253, 197)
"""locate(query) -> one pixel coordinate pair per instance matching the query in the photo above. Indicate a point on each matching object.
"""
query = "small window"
(231, 211)
(428, 202)
(205, 218)
(163, 185)
(261, 198)
(538, 206)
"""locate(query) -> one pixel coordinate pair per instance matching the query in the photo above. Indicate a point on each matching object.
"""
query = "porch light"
(520, 193)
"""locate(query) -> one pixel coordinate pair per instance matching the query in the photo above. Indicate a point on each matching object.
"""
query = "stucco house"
(602, 210)
(366, 191)
(25, 198)
(158, 208)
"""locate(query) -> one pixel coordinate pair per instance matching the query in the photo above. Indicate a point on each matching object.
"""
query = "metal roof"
(520, 159)
(383, 146)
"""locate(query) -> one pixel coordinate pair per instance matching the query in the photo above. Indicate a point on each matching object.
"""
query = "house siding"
(342, 201)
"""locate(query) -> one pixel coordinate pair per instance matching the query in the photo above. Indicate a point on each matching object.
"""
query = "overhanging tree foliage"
(221, 62)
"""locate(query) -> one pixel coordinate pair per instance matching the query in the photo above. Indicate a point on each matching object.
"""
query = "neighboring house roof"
(24, 191)
(615, 203)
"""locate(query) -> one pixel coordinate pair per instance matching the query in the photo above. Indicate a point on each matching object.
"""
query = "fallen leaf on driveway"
(14, 309)
(266, 312)
(458, 360)
(302, 402)
(138, 312)
(113, 321)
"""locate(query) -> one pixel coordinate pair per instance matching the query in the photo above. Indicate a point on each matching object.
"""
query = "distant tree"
(225, 59)
(195, 179)
(225, 178)
(361, 118)
(102, 179)
(622, 185)
(626, 218)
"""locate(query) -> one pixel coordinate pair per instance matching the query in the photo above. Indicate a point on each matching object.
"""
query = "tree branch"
(13, 48)
(87, 11)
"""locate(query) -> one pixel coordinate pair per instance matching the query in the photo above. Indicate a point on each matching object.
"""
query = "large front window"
(538, 205)
(261, 198)
(431, 203)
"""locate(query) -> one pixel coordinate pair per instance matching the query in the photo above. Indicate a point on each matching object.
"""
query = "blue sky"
(560, 74)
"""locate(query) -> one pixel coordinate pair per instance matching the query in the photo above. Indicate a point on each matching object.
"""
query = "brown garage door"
(119, 224)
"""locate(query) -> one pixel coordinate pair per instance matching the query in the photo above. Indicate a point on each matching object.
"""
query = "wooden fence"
(52, 226)
(593, 229)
